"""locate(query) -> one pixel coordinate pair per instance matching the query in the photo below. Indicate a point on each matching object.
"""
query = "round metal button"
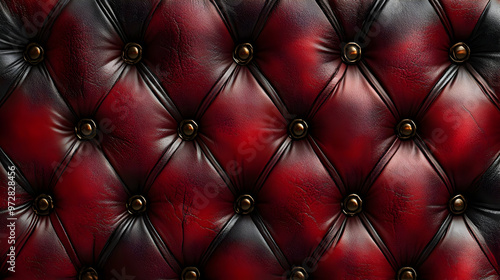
(458, 204)
(298, 129)
(136, 204)
(188, 129)
(407, 273)
(351, 52)
(33, 53)
(244, 204)
(88, 273)
(459, 52)
(406, 129)
(86, 129)
(243, 53)
(352, 205)
(132, 53)
(43, 204)
(190, 273)
(298, 273)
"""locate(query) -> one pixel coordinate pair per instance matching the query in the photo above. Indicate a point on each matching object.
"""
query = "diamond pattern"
(462, 106)
(407, 196)
(309, 201)
(126, 125)
(35, 104)
(355, 255)
(354, 145)
(187, 72)
(243, 140)
(91, 217)
(189, 207)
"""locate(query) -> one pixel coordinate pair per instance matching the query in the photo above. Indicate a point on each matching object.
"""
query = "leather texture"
(299, 186)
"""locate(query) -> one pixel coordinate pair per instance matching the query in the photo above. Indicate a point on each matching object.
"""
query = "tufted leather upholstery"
(251, 139)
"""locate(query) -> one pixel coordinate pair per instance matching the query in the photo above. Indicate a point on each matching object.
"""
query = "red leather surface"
(243, 147)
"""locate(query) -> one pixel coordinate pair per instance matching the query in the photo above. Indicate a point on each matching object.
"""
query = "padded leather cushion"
(188, 189)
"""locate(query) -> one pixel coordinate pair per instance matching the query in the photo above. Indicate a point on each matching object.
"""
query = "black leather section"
(131, 17)
(485, 210)
(485, 45)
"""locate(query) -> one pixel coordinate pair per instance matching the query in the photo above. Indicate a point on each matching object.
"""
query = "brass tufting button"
(43, 204)
(188, 129)
(458, 204)
(132, 53)
(407, 273)
(298, 273)
(86, 129)
(190, 273)
(244, 204)
(136, 204)
(298, 129)
(243, 53)
(406, 129)
(459, 52)
(352, 205)
(33, 53)
(88, 273)
(351, 53)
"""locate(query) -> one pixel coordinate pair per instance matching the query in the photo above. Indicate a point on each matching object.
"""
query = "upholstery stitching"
(217, 166)
(162, 246)
(374, 13)
(113, 241)
(378, 240)
(264, 15)
(448, 76)
(271, 243)
(20, 178)
(434, 163)
(61, 166)
(380, 165)
(328, 91)
(57, 90)
(50, 19)
(379, 89)
(20, 77)
(331, 238)
(219, 238)
(328, 166)
(109, 14)
(145, 25)
(124, 185)
(481, 242)
(229, 73)
(485, 88)
(435, 240)
(64, 239)
(332, 18)
(24, 237)
(103, 97)
(226, 21)
(270, 91)
(480, 21)
(162, 162)
(160, 93)
(276, 157)
(438, 8)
